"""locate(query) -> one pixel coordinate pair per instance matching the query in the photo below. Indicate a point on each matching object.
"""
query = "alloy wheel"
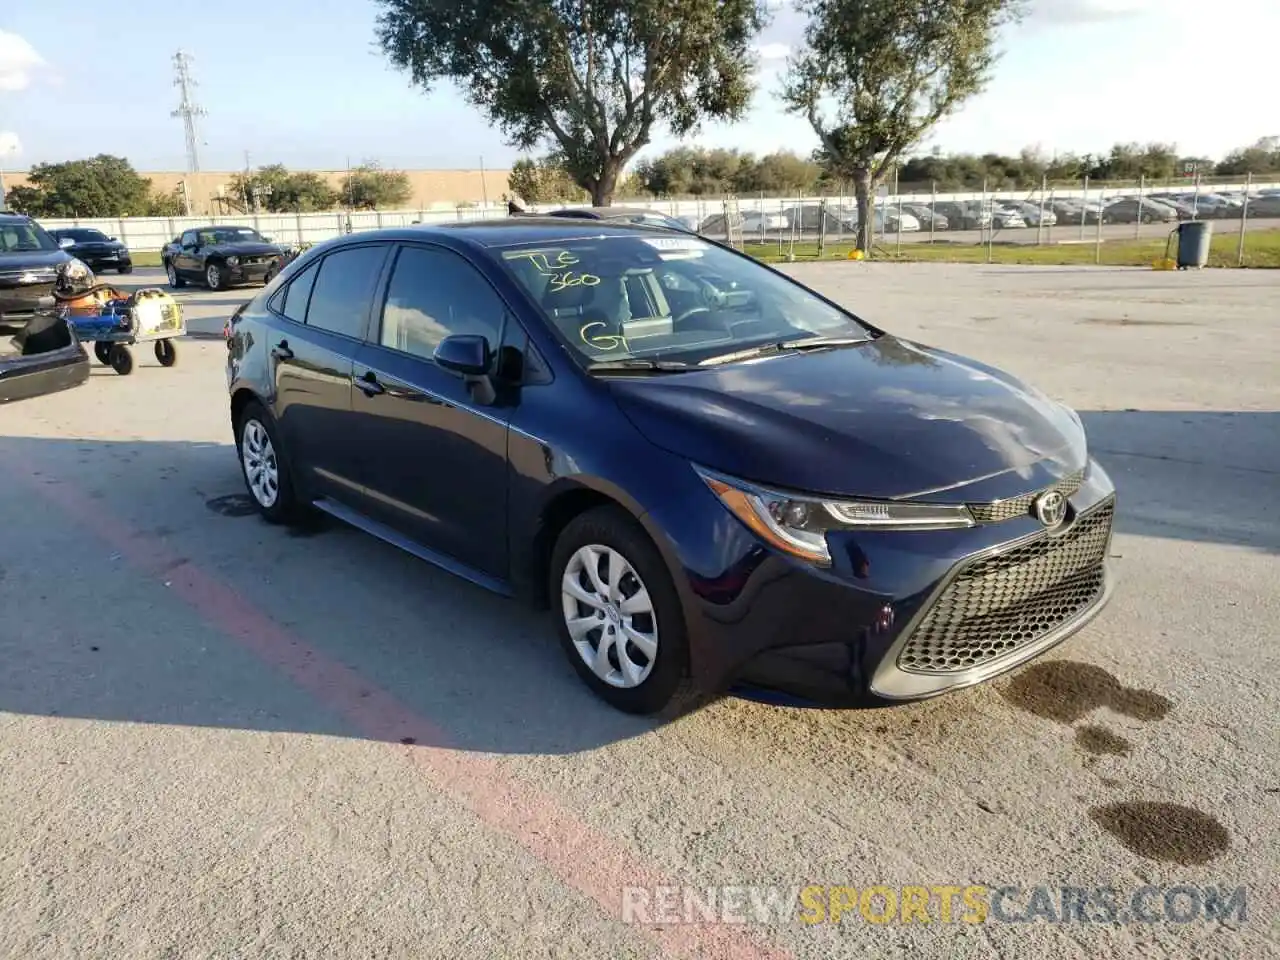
(261, 469)
(214, 277)
(172, 274)
(610, 616)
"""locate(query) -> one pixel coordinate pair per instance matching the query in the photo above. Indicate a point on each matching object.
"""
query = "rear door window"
(343, 289)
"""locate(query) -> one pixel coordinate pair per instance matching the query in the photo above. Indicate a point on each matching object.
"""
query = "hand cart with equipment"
(114, 321)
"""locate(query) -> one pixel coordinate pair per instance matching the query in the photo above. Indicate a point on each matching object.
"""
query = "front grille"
(1021, 506)
(999, 604)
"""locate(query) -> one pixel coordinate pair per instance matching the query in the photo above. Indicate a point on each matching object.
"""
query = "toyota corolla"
(715, 477)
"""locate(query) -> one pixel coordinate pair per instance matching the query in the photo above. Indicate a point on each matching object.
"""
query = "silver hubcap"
(609, 615)
(213, 276)
(173, 274)
(260, 467)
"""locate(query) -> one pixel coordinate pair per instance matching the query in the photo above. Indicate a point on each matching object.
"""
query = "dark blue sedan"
(717, 478)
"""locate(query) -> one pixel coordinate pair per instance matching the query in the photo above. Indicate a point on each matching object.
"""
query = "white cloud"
(10, 145)
(1090, 11)
(773, 51)
(19, 62)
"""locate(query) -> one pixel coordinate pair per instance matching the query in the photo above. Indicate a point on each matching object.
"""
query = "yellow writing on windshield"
(557, 270)
(605, 342)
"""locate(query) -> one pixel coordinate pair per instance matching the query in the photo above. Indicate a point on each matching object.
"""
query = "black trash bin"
(1193, 243)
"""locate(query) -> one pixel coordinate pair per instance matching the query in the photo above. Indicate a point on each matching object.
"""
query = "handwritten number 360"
(564, 281)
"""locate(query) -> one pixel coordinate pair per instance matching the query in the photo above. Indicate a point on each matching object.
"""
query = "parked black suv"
(39, 353)
(95, 248)
(713, 475)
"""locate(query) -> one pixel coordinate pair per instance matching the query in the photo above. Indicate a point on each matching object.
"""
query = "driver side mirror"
(66, 243)
(466, 353)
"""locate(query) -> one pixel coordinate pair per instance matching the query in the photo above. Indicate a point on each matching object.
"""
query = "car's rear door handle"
(369, 384)
(281, 351)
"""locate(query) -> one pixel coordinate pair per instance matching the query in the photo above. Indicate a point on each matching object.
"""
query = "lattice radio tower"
(188, 109)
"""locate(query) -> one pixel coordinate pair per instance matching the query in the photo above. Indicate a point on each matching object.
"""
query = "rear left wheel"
(265, 470)
(619, 618)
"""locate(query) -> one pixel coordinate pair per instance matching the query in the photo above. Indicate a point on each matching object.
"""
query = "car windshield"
(24, 236)
(80, 235)
(669, 298)
(229, 235)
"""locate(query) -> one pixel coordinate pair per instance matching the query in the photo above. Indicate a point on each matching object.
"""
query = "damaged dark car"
(39, 352)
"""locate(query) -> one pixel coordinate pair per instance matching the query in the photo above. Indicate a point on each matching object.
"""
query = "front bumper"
(249, 272)
(903, 616)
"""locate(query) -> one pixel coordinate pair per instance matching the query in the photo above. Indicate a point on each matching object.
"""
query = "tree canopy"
(590, 77)
(369, 187)
(102, 186)
(893, 70)
(280, 190)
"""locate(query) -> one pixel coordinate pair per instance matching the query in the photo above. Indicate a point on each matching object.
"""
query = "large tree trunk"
(866, 200)
(602, 187)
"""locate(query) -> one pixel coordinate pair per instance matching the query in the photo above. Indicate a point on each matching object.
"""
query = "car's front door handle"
(369, 384)
(281, 351)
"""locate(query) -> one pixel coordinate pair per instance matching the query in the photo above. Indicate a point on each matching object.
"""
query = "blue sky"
(300, 82)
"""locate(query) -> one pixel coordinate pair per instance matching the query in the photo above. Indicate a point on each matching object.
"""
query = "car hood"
(884, 419)
(32, 260)
(253, 249)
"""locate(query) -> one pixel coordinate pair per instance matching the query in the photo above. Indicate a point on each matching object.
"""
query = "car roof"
(608, 213)
(6, 217)
(512, 231)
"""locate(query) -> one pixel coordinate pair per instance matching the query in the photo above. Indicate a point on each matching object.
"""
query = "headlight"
(77, 270)
(232, 261)
(798, 525)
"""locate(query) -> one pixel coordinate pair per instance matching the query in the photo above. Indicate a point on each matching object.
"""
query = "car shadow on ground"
(139, 586)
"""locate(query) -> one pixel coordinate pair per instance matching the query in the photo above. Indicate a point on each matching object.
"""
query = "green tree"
(102, 186)
(543, 180)
(590, 76)
(369, 187)
(893, 70)
(1262, 157)
(283, 191)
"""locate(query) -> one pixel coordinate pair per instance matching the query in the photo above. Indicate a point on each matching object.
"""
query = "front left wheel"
(619, 618)
(215, 277)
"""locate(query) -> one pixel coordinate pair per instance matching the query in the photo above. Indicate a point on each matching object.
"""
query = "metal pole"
(1044, 186)
(898, 248)
(762, 230)
(1084, 207)
(1244, 219)
(1097, 253)
(799, 205)
(1137, 224)
(484, 187)
(991, 226)
(933, 206)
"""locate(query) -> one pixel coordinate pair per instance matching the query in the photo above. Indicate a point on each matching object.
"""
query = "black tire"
(667, 688)
(127, 268)
(102, 351)
(175, 281)
(215, 277)
(287, 508)
(166, 352)
(121, 359)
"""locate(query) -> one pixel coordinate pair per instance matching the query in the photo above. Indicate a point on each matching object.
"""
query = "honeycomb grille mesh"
(1021, 506)
(999, 604)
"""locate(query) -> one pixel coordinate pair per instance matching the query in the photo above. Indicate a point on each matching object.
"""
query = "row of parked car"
(910, 216)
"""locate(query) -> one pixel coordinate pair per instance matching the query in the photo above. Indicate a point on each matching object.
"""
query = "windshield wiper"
(779, 346)
(638, 364)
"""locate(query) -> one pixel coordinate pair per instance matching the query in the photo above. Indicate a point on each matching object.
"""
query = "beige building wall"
(431, 188)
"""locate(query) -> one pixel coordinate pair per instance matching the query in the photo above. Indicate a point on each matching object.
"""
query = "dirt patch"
(1101, 741)
(1066, 691)
(1164, 831)
(232, 505)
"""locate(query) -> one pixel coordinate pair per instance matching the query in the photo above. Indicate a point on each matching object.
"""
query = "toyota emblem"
(1051, 508)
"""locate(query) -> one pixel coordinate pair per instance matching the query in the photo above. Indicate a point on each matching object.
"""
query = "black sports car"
(219, 257)
(95, 248)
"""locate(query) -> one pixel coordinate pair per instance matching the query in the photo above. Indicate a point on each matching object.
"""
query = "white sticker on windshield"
(676, 244)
